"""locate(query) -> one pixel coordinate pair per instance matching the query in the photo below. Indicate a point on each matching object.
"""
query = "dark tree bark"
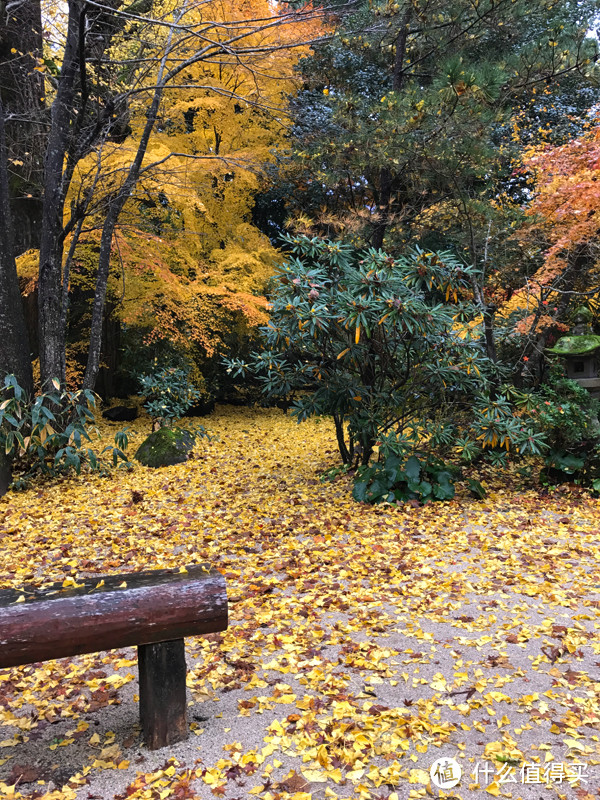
(52, 335)
(14, 345)
(5, 473)
(387, 179)
(341, 439)
(22, 94)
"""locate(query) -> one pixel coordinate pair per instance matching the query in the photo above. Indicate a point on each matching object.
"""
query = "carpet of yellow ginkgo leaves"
(364, 642)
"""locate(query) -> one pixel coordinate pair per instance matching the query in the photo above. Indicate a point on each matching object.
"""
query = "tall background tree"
(22, 110)
(412, 118)
(107, 81)
(22, 90)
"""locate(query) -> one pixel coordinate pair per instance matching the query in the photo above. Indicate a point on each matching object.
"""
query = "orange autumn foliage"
(564, 216)
(567, 201)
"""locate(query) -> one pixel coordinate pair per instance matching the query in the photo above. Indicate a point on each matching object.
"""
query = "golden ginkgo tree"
(187, 97)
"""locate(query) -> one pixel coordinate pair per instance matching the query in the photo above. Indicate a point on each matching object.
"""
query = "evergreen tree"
(411, 115)
(412, 104)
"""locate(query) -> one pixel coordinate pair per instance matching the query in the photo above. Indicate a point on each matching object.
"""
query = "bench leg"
(162, 673)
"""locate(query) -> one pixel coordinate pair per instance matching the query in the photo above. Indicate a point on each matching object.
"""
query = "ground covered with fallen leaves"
(364, 643)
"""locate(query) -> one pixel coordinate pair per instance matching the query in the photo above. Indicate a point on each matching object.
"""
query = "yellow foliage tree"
(190, 101)
(187, 261)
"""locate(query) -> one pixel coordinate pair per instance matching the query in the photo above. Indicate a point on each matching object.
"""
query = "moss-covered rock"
(165, 447)
(575, 345)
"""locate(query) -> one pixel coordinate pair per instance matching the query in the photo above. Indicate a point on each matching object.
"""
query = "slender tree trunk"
(386, 181)
(115, 207)
(5, 474)
(487, 312)
(22, 94)
(52, 333)
(14, 345)
(488, 329)
(341, 440)
(383, 197)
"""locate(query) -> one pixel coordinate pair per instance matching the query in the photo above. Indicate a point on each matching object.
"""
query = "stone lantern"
(581, 351)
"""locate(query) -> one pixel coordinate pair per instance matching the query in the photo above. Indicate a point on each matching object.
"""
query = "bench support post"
(162, 672)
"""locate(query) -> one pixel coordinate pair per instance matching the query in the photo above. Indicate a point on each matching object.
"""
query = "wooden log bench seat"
(154, 610)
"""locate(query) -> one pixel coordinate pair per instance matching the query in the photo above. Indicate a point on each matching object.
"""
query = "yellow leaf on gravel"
(574, 744)
(212, 776)
(111, 752)
(316, 776)
(355, 775)
(418, 776)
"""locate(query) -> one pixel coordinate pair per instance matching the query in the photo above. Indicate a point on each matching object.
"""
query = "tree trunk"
(488, 328)
(341, 439)
(5, 473)
(14, 349)
(22, 94)
(52, 335)
(115, 207)
(383, 196)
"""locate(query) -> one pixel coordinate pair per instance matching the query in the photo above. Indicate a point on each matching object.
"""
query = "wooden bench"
(154, 610)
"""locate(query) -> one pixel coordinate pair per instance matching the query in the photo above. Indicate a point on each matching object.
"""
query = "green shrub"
(48, 433)
(395, 479)
(373, 341)
(568, 417)
(169, 393)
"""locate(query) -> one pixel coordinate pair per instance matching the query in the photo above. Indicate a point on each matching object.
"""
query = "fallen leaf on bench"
(20, 599)
(122, 585)
(71, 583)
